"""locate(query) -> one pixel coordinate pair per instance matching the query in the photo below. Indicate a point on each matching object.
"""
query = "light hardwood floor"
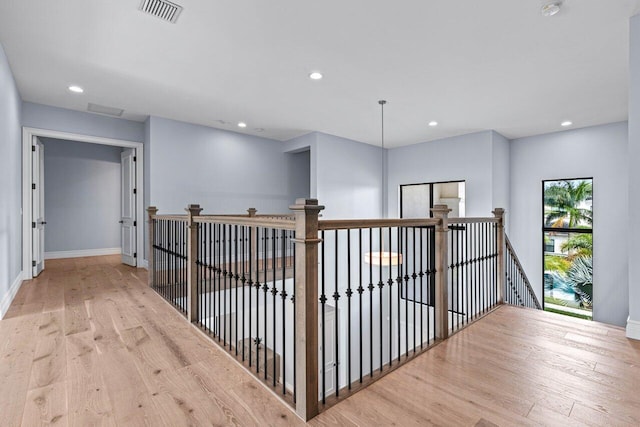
(87, 343)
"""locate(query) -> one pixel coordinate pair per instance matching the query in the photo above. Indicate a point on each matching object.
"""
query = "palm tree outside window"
(568, 246)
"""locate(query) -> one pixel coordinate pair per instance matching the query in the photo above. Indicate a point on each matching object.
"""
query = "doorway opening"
(567, 246)
(82, 210)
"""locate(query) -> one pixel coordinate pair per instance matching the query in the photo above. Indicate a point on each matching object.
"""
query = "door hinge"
(135, 223)
(135, 254)
(33, 186)
(33, 148)
(33, 263)
(134, 158)
(135, 191)
(33, 225)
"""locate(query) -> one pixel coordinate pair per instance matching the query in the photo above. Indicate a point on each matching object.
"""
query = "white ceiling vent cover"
(103, 109)
(162, 9)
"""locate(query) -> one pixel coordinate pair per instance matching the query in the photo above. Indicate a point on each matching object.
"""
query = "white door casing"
(128, 206)
(27, 181)
(37, 206)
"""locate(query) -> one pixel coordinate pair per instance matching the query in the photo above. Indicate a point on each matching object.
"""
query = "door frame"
(27, 137)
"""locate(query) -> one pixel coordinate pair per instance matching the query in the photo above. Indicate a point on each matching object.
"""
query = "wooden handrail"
(473, 220)
(282, 224)
(343, 224)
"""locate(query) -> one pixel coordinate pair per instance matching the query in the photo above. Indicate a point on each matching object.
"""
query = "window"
(567, 234)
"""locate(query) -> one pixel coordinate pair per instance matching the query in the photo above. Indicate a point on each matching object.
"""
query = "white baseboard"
(633, 329)
(82, 253)
(144, 264)
(9, 296)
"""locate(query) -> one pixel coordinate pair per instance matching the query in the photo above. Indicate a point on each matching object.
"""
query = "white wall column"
(633, 324)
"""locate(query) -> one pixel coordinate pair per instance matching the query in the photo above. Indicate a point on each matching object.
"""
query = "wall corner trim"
(633, 329)
(10, 295)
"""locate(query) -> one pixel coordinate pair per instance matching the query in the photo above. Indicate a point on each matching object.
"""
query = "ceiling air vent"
(162, 9)
(102, 109)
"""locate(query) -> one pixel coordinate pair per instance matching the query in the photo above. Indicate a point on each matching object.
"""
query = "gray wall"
(500, 170)
(11, 182)
(82, 195)
(633, 161)
(349, 180)
(225, 172)
(466, 158)
(63, 120)
(599, 152)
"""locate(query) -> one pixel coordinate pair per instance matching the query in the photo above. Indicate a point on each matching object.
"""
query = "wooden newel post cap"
(440, 211)
(307, 205)
(193, 210)
(498, 212)
(152, 210)
(252, 212)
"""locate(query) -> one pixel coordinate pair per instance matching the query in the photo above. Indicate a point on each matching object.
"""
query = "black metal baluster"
(293, 302)
(249, 289)
(421, 274)
(236, 276)
(274, 292)
(265, 289)
(371, 287)
(406, 293)
(360, 291)
(244, 282)
(399, 291)
(348, 294)
(414, 275)
(257, 339)
(336, 296)
(323, 300)
(380, 286)
(390, 283)
(283, 295)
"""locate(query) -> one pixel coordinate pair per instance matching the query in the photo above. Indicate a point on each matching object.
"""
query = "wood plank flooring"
(88, 343)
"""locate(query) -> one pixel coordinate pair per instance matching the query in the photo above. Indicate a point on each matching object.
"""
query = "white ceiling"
(471, 65)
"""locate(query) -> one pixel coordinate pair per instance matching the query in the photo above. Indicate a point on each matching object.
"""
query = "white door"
(37, 203)
(329, 349)
(128, 206)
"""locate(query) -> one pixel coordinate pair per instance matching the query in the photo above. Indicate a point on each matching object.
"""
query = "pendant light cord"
(382, 102)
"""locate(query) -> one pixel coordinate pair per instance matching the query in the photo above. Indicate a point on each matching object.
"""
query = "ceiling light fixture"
(566, 123)
(242, 125)
(315, 75)
(551, 8)
(433, 123)
(76, 89)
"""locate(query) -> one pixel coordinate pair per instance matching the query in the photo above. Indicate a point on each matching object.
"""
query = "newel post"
(499, 214)
(192, 257)
(441, 213)
(306, 213)
(151, 211)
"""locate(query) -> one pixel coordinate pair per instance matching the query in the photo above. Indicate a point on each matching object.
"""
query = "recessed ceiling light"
(566, 123)
(433, 123)
(242, 125)
(315, 75)
(551, 8)
(76, 89)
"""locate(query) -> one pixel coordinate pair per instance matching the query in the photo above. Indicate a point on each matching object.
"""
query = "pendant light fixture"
(384, 258)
